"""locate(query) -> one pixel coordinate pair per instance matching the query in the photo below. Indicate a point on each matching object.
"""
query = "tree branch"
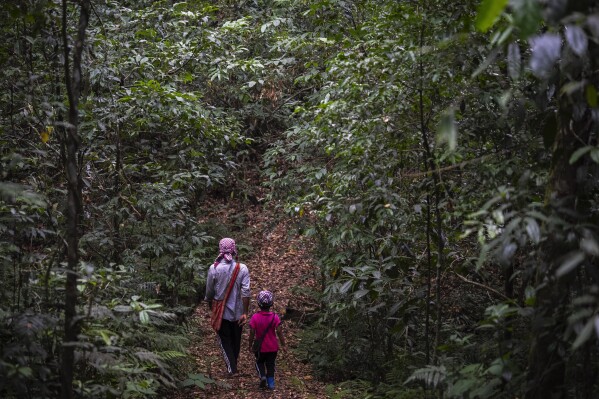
(486, 287)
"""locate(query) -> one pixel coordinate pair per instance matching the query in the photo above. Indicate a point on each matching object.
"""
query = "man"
(236, 307)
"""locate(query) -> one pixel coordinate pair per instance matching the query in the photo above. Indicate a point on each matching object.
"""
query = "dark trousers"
(265, 364)
(230, 342)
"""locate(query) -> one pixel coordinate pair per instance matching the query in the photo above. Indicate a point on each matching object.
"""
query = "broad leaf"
(579, 153)
(448, 132)
(488, 12)
(593, 25)
(574, 259)
(577, 39)
(360, 293)
(590, 246)
(533, 230)
(585, 333)
(345, 287)
(514, 63)
(545, 52)
(527, 16)
(144, 317)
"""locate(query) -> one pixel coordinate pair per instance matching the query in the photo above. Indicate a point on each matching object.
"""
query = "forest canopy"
(441, 156)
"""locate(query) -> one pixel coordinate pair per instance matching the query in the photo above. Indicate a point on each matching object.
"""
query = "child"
(264, 324)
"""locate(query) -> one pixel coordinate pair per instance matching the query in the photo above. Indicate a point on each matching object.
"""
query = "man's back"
(218, 281)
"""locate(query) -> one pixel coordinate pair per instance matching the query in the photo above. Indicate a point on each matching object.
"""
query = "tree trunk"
(547, 361)
(71, 143)
(429, 268)
(116, 218)
(566, 198)
(429, 167)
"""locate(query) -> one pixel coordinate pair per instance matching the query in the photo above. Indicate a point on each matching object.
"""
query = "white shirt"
(217, 283)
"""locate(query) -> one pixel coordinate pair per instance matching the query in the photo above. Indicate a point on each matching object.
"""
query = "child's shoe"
(263, 383)
(271, 383)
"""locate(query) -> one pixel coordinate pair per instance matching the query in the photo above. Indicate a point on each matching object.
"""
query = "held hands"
(242, 320)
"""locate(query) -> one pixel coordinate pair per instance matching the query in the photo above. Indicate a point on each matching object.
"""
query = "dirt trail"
(279, 263)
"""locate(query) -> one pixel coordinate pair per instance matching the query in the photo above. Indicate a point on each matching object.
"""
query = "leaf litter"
(280, 262)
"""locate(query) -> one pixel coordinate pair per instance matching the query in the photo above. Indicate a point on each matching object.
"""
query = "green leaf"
(345, 287)
(572, 87)
(574, 259)
(360, 293)
(527, 16)
(496, 368)
(462, 386)
(448, 132)
(11, 192)
(514, 63)
(144, 317)
(106, 334)
(530, 295)
(25, 371)
(585, 333)
(579, 153)
(169, 355)
(199, 380)
(545, 50)
(488, 12)
(533, 230)
(489, 59)
(577, 39)
(590, 246)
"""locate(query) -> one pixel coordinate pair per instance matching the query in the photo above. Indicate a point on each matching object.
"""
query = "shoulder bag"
(257, 344)
(218, 307)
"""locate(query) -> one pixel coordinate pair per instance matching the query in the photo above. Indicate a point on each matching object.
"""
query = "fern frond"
(100, 360)
(432, 376)
(161, 342)
(170, 355)
(149, 357)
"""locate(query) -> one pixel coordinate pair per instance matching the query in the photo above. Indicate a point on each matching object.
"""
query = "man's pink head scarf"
(227, 250)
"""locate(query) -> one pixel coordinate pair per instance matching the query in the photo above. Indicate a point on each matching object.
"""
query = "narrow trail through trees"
(279, 262)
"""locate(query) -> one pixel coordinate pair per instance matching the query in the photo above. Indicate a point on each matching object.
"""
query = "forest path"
(279, 262)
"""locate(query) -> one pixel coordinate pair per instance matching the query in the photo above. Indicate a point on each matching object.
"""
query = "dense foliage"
(449, 179)
(153, 144)
(442, 154)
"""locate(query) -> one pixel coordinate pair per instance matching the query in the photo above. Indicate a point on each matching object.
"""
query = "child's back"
(264, 323)
(266, 326)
